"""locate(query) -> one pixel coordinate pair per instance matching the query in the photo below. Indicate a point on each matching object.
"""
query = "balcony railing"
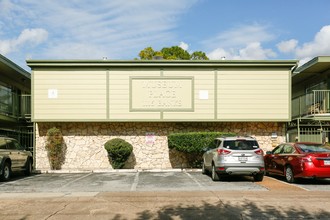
(311, 104)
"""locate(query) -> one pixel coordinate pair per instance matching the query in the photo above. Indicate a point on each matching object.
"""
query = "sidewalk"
(281, 201)
(171, 205)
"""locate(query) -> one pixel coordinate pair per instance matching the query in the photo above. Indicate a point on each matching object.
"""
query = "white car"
(234, 156)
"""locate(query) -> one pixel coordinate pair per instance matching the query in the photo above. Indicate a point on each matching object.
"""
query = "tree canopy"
(171, 53)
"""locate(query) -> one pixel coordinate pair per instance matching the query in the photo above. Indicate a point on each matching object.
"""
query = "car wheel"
(258, 177)
(28, 167)
(289, 176)
(214, 175)
(6, 172)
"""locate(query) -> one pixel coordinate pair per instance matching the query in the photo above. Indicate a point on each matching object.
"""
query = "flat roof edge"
(131, 63)
(14, 66)
(312, 62)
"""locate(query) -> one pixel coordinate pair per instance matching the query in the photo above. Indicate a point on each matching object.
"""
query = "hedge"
(194, 142)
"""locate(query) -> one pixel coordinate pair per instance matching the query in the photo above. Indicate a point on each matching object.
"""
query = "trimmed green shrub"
(55, 148)
(193, 143)
(118, 150)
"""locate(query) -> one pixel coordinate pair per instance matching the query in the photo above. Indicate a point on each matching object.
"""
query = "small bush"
(118, 150)
(193, 143)
(55, 148)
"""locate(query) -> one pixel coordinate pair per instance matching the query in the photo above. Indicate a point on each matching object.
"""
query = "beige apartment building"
(93, 101)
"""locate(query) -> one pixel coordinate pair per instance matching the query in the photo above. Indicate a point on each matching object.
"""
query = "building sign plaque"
(161, 94)
(52, 93)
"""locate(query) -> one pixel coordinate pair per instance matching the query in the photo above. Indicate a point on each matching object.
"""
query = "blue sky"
(119, 29)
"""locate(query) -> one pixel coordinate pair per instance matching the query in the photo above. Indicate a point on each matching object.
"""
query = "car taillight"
(223, 151)
(306, 159)
(259, 152)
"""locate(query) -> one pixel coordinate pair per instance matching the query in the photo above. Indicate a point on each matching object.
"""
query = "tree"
(147, 53)
(175, 53)
(198, 55)
(171, 53)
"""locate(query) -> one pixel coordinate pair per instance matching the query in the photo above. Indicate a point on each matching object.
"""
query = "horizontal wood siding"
(81, 95)
(253, 95)
(104, 94)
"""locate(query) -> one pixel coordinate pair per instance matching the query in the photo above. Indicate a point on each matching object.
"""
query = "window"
(14, 145)
(11, 145)
(241, 145)
(3, 145)
(277, 150)
(217, 143)
(288, 149)
(8, 101)
(313, 148)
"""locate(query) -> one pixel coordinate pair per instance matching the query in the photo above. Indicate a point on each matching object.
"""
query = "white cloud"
(287, 46)
(218, 54)
(252, 51)
(243, 42)
(240, 36)
(184, 45)
(318, 47)
(32, 36)
(28, 37)
(109, 28)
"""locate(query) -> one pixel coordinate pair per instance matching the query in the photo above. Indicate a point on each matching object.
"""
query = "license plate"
(242, 159)
(326, 162)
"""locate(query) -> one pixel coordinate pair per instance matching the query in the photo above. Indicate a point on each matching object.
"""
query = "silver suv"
(234, 156)
(13, 157)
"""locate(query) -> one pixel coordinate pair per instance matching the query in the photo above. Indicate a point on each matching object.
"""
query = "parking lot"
(147, 181)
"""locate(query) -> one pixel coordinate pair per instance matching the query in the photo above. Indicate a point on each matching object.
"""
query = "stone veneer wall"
(84, 142)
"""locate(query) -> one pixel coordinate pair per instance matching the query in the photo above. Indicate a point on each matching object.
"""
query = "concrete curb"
(116, 171)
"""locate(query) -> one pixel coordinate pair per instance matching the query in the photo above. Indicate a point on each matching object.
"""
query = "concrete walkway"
(170, 205)
(279, 200)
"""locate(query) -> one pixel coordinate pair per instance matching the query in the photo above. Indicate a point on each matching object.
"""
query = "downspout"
(298, 127)
(321, 132)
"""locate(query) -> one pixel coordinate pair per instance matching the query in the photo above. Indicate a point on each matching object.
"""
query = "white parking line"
(196, 181)
(135, 182)
(75, 180)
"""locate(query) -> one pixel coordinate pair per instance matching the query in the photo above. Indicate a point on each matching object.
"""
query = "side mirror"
(268, 152)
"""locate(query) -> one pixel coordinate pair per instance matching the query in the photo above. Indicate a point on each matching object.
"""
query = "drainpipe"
(298, 127)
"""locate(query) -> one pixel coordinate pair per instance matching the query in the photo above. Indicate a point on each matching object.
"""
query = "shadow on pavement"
(17, 176)
(229, 211)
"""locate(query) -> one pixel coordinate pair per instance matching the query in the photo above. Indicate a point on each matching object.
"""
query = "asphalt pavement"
(135, 181)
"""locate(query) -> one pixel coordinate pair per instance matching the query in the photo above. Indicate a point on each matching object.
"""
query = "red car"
(299, 160)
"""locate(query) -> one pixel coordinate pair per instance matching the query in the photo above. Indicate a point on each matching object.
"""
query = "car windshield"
(241, 144)
(313, 148)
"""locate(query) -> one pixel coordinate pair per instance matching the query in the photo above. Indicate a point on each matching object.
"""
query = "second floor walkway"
(314, 104)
